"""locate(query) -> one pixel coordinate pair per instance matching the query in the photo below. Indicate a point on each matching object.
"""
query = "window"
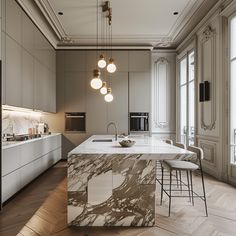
(233, 89)
(187, 99)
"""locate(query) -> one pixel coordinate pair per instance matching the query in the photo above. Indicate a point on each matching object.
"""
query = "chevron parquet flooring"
(50, 218)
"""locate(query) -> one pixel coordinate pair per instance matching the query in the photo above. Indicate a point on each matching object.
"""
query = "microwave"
(139, 121)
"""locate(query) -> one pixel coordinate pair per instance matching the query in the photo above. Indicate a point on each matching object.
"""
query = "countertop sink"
(102, 140)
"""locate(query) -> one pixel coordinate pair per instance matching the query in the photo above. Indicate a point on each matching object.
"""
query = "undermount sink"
(102, 140)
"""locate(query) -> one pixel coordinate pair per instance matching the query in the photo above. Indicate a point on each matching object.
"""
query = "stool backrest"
(180, 145)
(169, 141)
(199, 152)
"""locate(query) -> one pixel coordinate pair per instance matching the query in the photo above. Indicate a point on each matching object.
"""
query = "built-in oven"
(75, 122)
(139, 121)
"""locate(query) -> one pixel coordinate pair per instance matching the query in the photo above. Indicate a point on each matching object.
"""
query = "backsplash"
(16, 122)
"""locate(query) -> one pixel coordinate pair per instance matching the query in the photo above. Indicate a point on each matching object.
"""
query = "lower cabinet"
(23, 163)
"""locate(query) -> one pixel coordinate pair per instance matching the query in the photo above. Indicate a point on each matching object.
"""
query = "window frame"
(230, 61)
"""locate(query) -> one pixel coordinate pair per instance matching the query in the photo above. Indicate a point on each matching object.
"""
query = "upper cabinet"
(139, 91)
(13, 73)
(28, 28)
(139, 61)
(14, 20)
(29, 63)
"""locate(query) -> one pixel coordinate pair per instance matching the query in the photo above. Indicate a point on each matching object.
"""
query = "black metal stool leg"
(187, 175)
(177, 180)
(170, 191)
(180, 179)
(162, 173)
(191, 181)
(204, 193)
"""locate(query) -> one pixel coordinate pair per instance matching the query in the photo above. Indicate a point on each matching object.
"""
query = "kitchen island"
(109, 185)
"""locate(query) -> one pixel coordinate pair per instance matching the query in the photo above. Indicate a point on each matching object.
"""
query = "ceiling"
(149, 23)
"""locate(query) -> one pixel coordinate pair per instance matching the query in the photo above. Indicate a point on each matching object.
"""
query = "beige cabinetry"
(139, 91)
(139, 61)
(13, 73)
(24, 162)
(27, 81)
(118, 108)
(75, 91)
(29, 67)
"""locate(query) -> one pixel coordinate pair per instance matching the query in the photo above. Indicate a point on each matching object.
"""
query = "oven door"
(139, 122)
(75, 122)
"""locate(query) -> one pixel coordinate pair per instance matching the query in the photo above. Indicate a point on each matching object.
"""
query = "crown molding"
(50, 15)
(229, 9)
(44, 16)
(213, 12)
(78, 47)
(38, 19)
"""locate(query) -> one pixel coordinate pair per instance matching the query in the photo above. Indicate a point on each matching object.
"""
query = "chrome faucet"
(114, 124)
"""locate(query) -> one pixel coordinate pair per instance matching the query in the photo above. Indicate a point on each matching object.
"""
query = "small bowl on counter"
(127, 143)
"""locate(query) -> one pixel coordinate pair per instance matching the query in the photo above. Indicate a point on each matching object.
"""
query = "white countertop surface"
(143, 145)
(10, 144)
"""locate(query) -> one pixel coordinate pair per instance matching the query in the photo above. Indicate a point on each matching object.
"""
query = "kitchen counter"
(10, 144)
(113, 186)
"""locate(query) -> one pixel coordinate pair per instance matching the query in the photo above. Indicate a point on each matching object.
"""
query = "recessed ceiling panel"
(137, 21)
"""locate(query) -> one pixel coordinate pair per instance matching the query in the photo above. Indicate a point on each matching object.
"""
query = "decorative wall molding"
(209, 150)
(161, 85)
(209, 36)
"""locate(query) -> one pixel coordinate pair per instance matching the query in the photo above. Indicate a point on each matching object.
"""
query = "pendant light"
(108, 97)
(96, 82)
(111, 67)
(103, 89)
(102, 62)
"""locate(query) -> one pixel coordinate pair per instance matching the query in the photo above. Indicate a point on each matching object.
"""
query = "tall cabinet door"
(13, 73)
(75, 90)
(139, 91)
(118, 108)
(27, 80)
(96, 110)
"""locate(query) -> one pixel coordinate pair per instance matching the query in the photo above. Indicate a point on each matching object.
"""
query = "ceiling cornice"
(49, 14)
(43, 15)
(216, 9)
(39, 20)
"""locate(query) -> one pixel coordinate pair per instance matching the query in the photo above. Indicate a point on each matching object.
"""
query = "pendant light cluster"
(105, 62)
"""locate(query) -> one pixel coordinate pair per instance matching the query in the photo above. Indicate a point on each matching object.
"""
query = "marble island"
(113, 186)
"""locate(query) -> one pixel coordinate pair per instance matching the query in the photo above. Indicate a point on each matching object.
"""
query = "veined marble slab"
(113, 186)
(144, 145)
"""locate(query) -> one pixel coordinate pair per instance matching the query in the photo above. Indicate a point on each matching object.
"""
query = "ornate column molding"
(158, 121)
(209, 35)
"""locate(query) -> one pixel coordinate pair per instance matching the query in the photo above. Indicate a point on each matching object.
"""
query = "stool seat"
(179, 165)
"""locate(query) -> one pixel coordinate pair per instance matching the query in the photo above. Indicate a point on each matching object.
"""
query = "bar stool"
(159, 165)
(189, 166)
(169, 141)
(180, 145)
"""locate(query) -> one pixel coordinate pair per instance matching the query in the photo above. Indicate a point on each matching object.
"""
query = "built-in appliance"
(139, 121)
(75, 121)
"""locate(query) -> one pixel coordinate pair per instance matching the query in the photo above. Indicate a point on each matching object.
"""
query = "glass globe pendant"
(103, 89)
(108, 97)
(111, 67)
(96, 82)
(102, 63)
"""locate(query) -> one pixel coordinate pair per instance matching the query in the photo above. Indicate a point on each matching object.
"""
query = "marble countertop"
(10, 144)
(143, 145)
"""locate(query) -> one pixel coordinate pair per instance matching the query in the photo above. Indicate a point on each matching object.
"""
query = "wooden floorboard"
(18, 211)
(50, 218)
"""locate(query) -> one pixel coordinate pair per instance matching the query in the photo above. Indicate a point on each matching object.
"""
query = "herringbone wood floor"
(50, 218)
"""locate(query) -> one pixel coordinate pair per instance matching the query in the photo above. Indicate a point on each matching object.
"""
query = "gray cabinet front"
(139, 91)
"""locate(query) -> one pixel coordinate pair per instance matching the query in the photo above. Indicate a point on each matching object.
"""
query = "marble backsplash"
(16, 122)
